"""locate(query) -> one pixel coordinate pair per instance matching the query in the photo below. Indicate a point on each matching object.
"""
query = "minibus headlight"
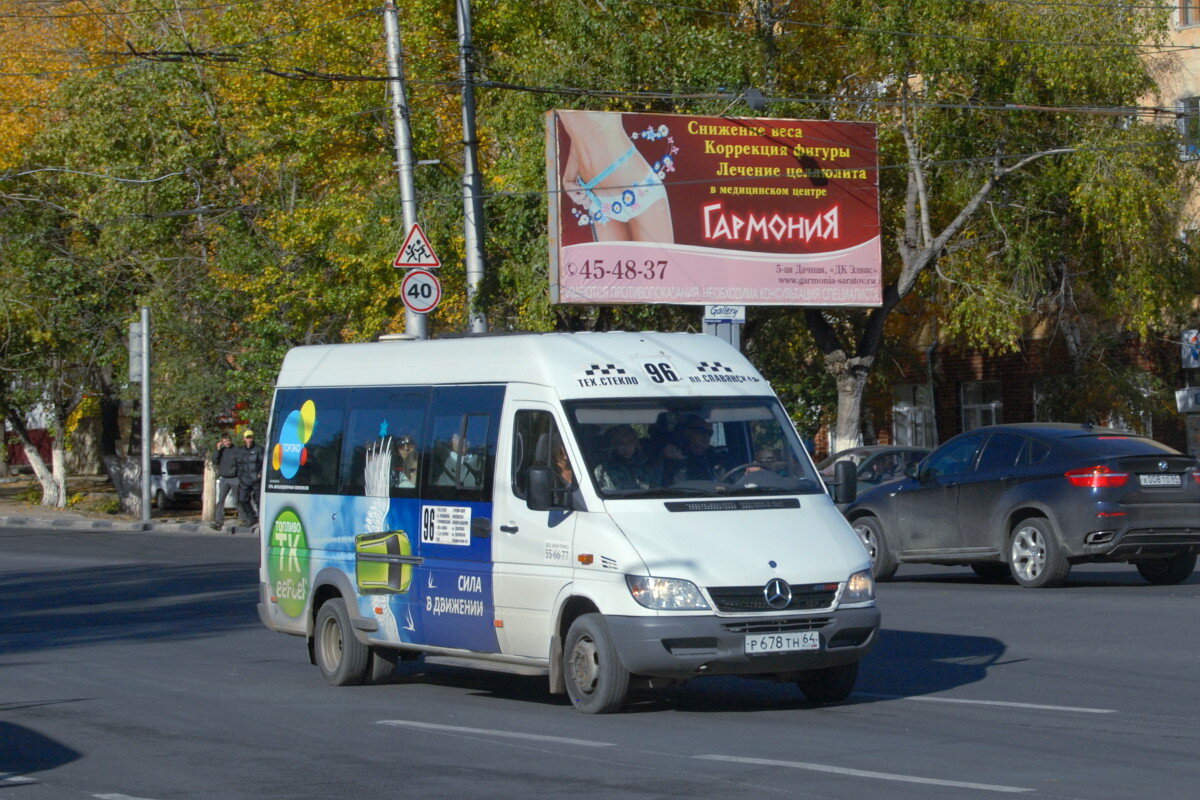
(665, 594)
(860, 588)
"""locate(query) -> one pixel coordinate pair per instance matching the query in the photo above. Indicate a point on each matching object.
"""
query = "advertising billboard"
(665, 208)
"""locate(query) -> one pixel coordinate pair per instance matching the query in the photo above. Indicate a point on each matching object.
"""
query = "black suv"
(1031, 500)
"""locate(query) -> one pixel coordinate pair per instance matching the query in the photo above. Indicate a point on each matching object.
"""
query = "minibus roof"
(576, 365)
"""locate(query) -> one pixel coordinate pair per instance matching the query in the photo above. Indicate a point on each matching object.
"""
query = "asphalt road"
(133, 665)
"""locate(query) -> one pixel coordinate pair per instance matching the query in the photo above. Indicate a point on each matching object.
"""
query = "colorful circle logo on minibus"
(290, 454)
(287, 563)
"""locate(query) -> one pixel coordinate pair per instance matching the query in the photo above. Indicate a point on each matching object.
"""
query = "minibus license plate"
(1160, 480)
(782, 642)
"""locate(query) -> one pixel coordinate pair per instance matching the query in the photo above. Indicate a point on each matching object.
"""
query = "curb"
(87, 524)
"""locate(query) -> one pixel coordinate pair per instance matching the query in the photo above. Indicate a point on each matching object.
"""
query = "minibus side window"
(306, 441)
(536, 441)
(461, 455)
(383, 433)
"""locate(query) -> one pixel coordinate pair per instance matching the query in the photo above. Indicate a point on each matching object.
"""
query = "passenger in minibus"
(625, 465)
(461, 466)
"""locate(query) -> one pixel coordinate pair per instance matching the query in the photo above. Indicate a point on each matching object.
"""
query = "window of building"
(1189, 127)
(981, 405)
(1189, 13)
(913, 415)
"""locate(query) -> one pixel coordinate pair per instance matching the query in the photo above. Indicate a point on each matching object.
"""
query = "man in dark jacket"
(249, 471)
(224, 459)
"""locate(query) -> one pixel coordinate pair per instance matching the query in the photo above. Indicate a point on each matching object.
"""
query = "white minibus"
(609, 510)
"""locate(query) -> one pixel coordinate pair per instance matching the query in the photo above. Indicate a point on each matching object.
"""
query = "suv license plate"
(782, 642)
(1160, 480)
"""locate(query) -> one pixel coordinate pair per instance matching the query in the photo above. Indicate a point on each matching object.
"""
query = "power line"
(912, 34)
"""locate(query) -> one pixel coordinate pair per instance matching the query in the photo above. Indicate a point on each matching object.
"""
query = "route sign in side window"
(305, 445)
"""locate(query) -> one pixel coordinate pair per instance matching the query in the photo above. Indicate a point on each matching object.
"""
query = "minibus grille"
(741, 599)
(778, 625)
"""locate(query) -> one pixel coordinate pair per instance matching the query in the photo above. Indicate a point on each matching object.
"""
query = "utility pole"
(414, 323)
(139, 370)
(472, 188)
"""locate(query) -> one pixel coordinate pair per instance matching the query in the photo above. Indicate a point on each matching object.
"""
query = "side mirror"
(546, 492)
(845, 476)
(541, 493)
(912, 469)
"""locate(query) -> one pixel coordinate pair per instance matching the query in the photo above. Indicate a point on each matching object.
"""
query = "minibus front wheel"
(341, 657)
(597, 681)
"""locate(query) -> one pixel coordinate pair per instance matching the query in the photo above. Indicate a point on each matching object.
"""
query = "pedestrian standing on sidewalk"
(224, 459)
(249, 472)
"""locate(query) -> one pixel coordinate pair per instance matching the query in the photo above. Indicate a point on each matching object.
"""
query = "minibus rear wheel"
(341, 657)
(597, 681)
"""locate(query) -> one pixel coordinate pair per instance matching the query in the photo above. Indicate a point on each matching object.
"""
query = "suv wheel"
(1034, 555)
(870, 532)
(1168, 571)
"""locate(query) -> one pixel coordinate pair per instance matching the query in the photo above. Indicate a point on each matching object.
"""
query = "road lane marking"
(15, 780)
(862, 773)
(117, 797)
(1001, 703)
(430, 726)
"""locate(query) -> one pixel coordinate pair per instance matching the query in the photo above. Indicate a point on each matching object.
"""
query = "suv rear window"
(1118, 445)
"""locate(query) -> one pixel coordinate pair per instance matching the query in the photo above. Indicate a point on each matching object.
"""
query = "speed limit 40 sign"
(421, 291)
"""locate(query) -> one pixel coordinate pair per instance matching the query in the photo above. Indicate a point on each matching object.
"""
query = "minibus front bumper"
(685, 647)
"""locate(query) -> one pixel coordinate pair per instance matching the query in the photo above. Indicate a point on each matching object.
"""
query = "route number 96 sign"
(421, 291)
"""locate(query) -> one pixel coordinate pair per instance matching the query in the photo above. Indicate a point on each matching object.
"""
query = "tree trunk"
(126, 477)
(54, 491)
(850, 375)
(58, 459)
(208, 498)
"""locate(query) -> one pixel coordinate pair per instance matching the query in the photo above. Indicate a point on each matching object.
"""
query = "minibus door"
(455, 541)
(532, 548)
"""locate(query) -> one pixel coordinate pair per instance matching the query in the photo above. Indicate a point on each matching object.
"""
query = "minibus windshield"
(718, 447)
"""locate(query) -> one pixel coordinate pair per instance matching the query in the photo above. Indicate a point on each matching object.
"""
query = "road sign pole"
(147, 435)
(414, 323)
(471, 185)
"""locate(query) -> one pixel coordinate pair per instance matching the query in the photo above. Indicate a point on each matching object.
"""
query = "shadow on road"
(1083, 576)
(910, 663)
(25, 751)
(903, 664)
(128, 602)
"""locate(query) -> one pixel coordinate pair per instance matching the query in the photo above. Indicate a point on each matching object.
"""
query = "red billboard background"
(681, 209)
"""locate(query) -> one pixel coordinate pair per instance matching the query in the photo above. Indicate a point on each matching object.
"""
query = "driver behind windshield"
(690, 456)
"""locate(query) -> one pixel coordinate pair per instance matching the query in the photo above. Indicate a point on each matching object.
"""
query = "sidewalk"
(16, 512)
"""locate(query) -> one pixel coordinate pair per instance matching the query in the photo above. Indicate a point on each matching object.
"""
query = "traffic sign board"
(416, 252)
(421, 291)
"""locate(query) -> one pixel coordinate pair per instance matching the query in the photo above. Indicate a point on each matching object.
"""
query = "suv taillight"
(1097, 477)
(1196, 475)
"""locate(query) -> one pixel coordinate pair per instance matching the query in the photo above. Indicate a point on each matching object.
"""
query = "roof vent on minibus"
(398, 337)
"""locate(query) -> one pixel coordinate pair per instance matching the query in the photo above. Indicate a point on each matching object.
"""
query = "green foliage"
(261, 209)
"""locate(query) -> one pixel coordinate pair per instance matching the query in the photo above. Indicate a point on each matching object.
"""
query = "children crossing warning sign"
(416, 252)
